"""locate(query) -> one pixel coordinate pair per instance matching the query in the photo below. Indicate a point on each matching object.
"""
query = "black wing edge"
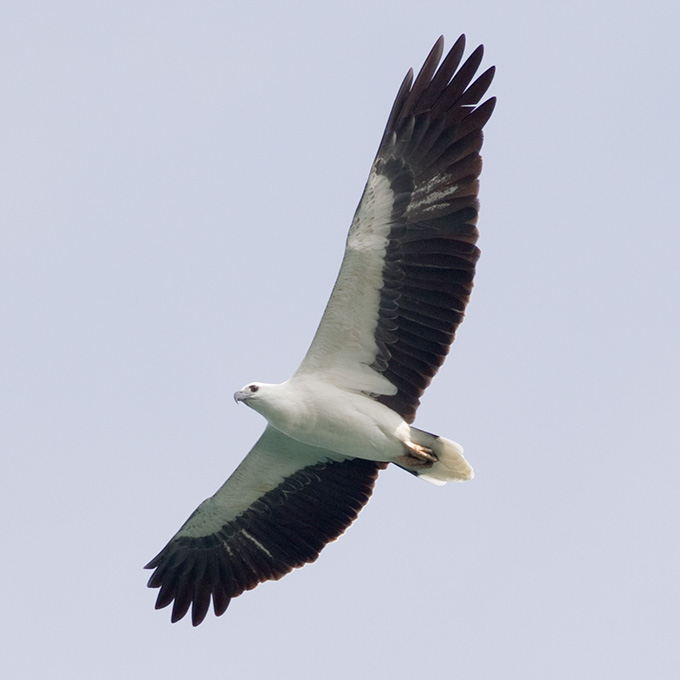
(284, 529)
(430, 154)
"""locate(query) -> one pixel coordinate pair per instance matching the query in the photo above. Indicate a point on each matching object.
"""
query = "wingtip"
(437, 48)
(477, 54)
(490, 105)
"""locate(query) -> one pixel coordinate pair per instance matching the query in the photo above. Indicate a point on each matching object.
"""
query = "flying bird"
(346, 413)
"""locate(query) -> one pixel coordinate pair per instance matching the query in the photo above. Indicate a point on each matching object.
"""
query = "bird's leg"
(417, 456)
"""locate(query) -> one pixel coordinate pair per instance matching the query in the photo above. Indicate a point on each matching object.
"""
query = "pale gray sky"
(177, 183)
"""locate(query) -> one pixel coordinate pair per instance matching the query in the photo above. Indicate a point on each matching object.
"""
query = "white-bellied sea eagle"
(401, 293)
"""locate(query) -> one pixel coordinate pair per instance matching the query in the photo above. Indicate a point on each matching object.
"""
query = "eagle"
(347, 412)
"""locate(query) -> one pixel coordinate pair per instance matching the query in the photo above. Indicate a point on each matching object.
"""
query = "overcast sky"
(177, 180)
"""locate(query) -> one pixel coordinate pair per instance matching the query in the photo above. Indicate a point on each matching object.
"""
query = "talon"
(419, 455)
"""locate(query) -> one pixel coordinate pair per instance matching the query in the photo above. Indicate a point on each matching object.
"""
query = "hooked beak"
(241, 395)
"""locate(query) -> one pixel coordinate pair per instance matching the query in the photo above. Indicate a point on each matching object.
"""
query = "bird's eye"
(253, 388)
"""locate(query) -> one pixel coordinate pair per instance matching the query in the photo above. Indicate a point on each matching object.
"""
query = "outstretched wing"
(407, 273)
(276, 512)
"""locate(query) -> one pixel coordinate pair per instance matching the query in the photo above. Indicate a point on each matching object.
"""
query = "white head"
(250, 394)
(271, 401)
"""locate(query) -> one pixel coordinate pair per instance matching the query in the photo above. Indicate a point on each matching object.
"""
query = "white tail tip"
(451, 465)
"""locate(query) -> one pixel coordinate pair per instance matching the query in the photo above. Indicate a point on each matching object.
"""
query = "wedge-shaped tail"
(450, 466)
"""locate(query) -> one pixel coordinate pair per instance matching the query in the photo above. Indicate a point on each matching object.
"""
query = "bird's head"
(250, 394)
(271, 401)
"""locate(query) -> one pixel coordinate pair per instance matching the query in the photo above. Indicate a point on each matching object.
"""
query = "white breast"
(350, 423)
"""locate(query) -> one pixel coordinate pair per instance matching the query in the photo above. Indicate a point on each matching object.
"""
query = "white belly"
(348, 423)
